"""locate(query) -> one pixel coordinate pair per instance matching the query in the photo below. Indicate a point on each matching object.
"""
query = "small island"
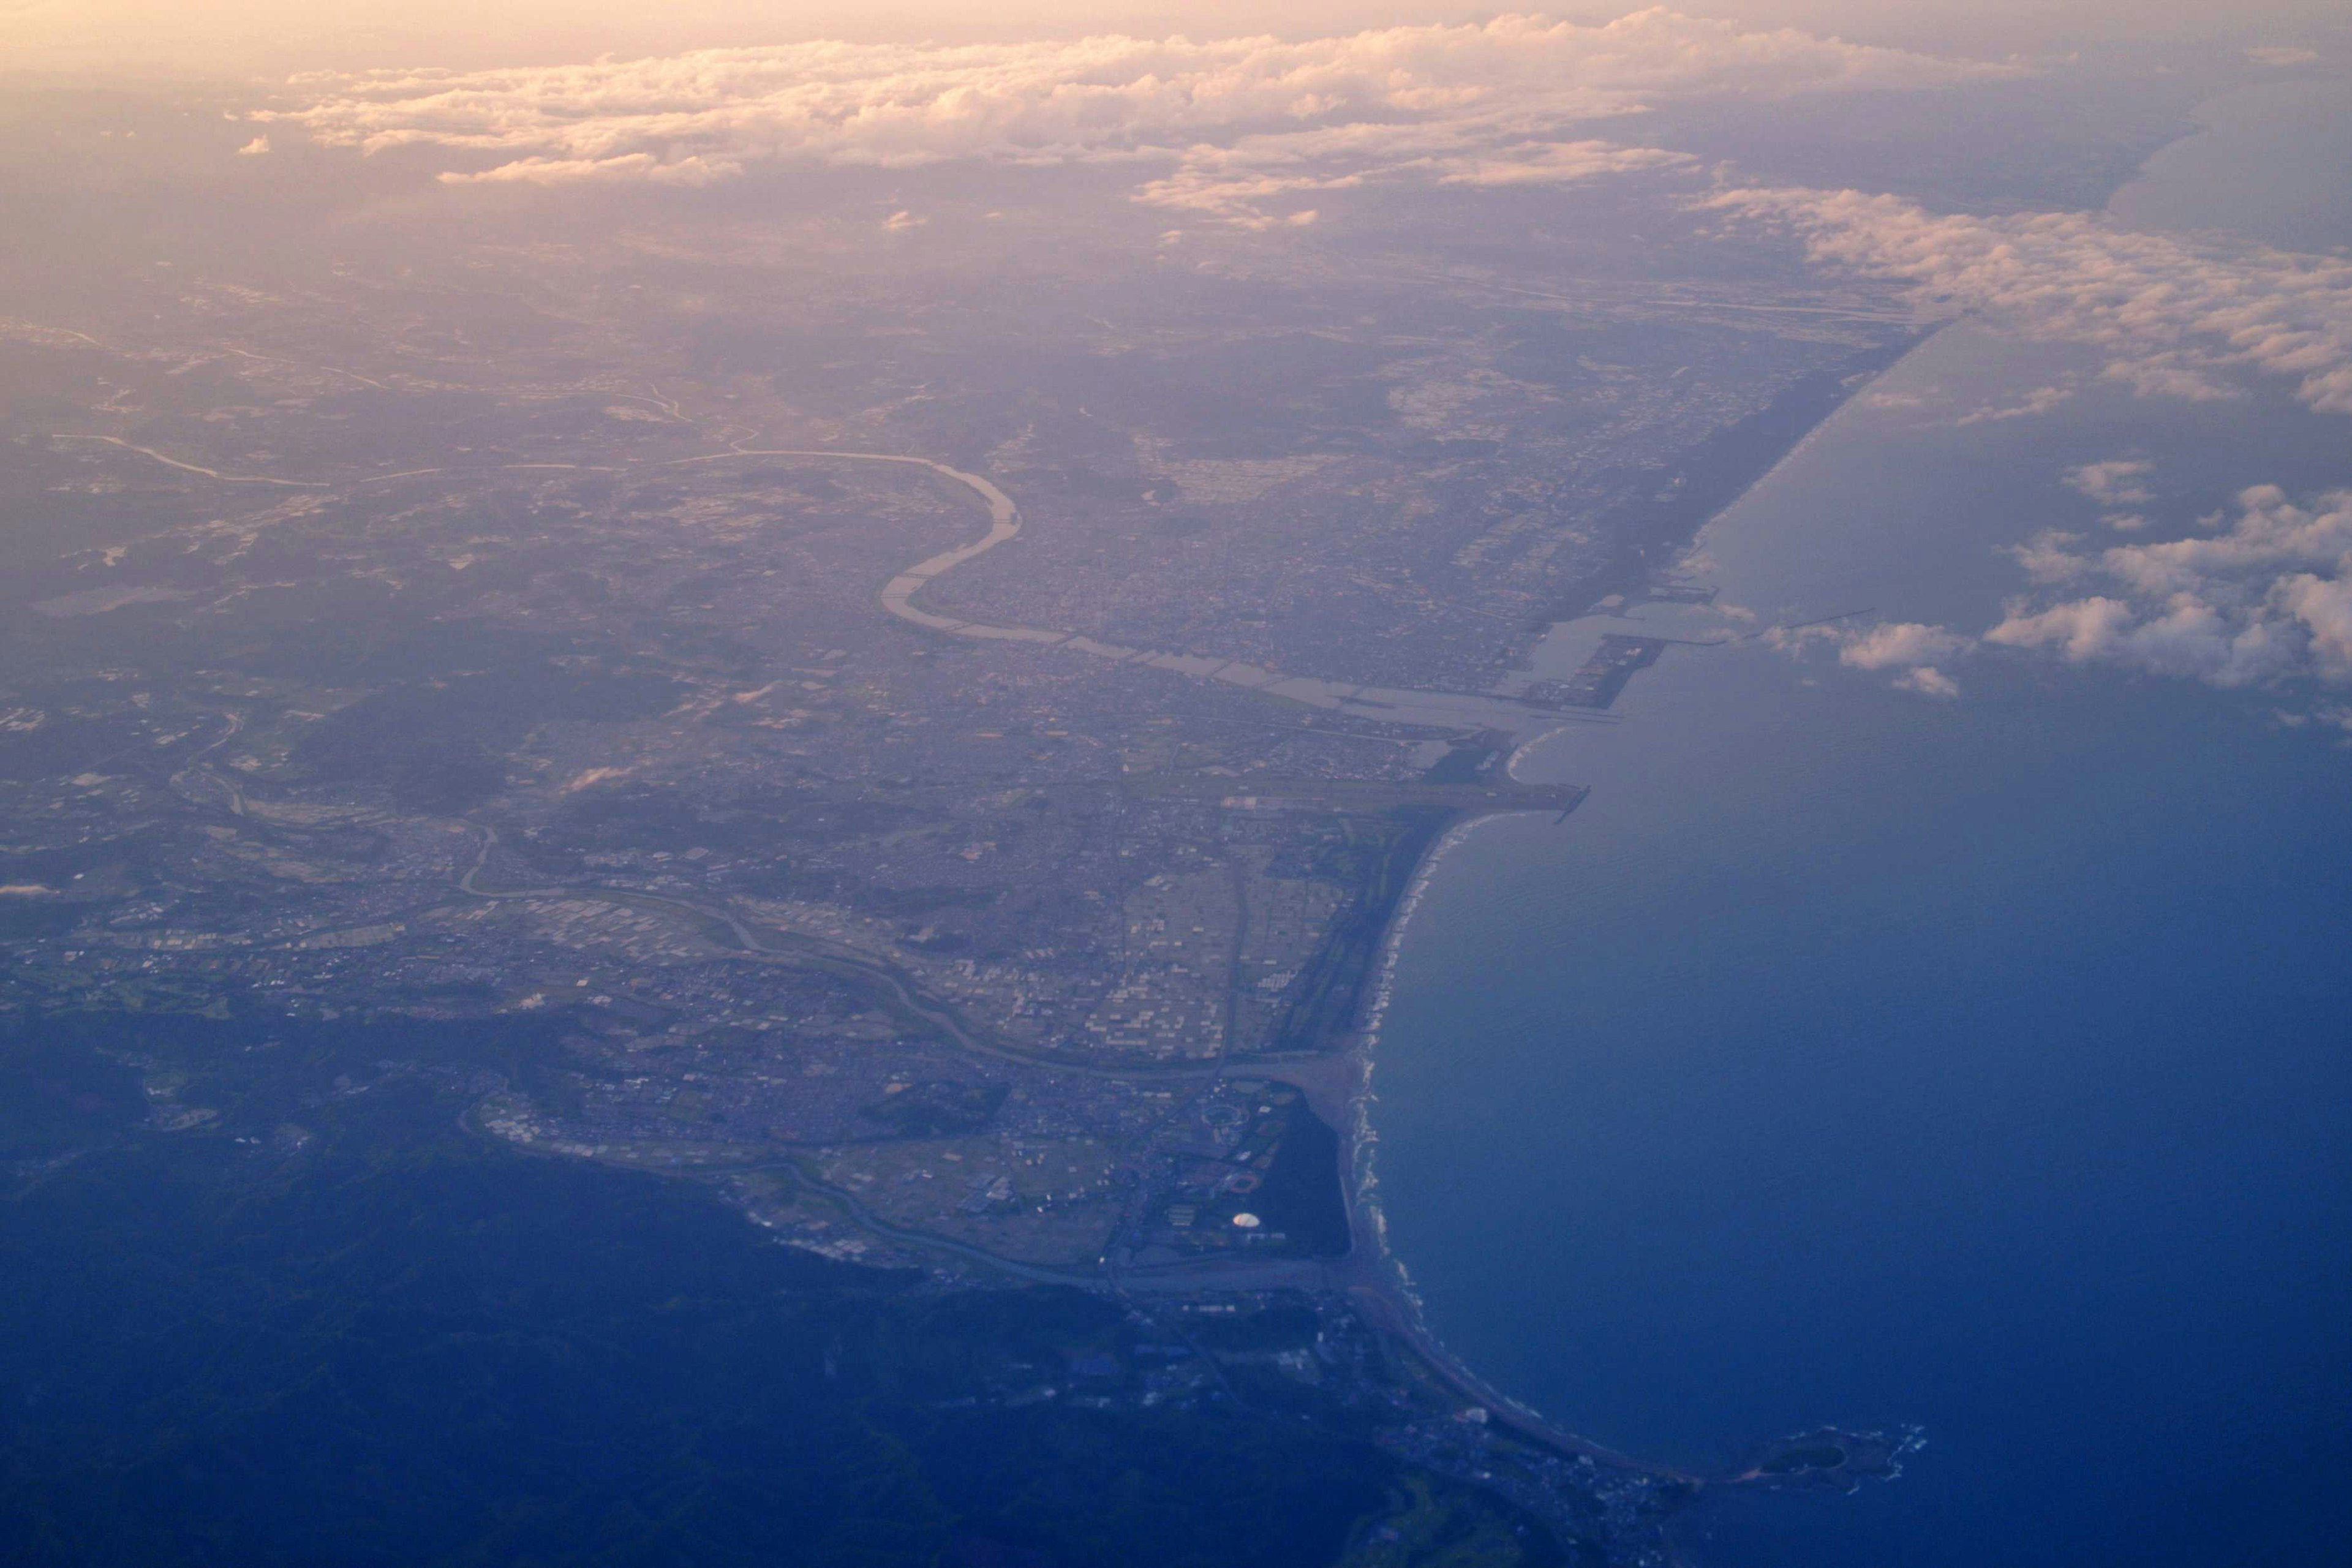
(1829, 1457)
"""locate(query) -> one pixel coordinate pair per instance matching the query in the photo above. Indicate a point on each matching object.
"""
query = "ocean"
(1855, 1057)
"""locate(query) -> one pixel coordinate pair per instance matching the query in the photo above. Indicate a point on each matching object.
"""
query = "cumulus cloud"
(2324, 607)
(1907, 651)
(1235, 183)
(2173, 316)
(1929, 682)
(2041, 400)
(2115, 482)
(1900, 645)
(2267, 596)
(1240, 119)
(2270, 533)
(685, 172)
(1910, 650)
(2051, 557)
(254, 148)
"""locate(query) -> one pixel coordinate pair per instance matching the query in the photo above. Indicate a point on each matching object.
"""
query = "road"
(198, 468)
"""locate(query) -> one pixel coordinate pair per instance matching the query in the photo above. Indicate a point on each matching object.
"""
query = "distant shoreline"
(1372, 1273)
(1337, 1086)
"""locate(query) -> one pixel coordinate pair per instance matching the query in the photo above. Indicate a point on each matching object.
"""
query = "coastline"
(1335, 1072)
(1338, 1088)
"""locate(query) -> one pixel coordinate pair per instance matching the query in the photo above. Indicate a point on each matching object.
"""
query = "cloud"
(1235, 183)
(2050, 557)
(1929, 681)
(2267, 597)
(254, 148)
(902, 220)
(2115, 483)
(2324, 607)
(1898, 644)
(2282, 54)
(689, 171)
(1909, 649)
(2173, 316)
(1240, 119)
(2270, 533)
(2041, 400)
(2083, 629)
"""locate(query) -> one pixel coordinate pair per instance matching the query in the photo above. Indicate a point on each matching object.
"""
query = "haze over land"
(835, 644)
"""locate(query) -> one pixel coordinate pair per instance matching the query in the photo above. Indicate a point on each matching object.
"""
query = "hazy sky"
(124, 37)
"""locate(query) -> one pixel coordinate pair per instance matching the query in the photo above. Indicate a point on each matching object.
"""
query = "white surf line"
(196, 468)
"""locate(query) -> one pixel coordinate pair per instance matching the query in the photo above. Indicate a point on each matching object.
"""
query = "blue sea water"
(1853, 1056)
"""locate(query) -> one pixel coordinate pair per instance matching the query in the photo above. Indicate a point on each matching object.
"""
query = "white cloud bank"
(2173, 316)
(1900, 645)
(2258, 596)
(2267, 596)
(1240, 119)
(2115, 482)
(1907, 649)
(2261, 597)
(1908, 652)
